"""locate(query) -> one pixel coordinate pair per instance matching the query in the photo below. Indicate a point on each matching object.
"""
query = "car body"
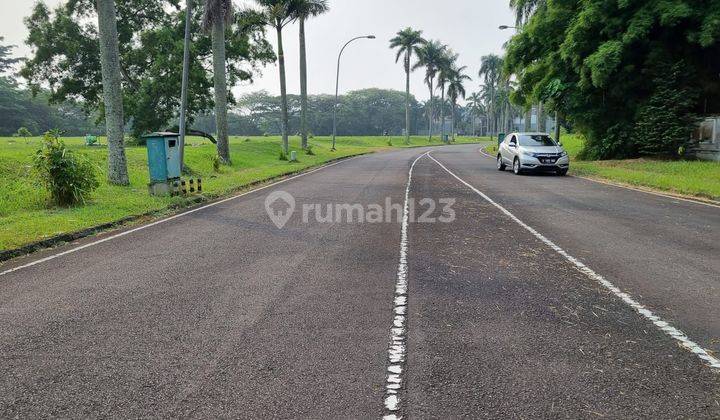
(528, 152)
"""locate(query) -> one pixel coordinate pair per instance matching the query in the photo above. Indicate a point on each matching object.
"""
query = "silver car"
(526, 152)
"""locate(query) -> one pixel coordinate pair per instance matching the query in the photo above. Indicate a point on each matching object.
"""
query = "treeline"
(19, 108)
(360, 113)
(633, 76)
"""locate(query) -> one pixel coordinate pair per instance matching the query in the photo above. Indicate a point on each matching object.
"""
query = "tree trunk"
(432, 112)
(303, 86)
(283, 90)
(221, 118)
(407, 97)
(452, 122)
(112, 92)
(528, 120)
(541, 118)
(442, 112)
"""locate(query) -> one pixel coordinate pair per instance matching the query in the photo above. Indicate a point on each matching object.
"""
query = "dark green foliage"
(23, 132)
(666, 121)
(151, 49)
(283, 155)
(309, 151)
(597, 63)
(70, 178)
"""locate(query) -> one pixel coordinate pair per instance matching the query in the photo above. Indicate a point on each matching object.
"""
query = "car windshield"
(536, 140)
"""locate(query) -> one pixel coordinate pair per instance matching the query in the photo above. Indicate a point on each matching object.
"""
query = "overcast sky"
(470, 27)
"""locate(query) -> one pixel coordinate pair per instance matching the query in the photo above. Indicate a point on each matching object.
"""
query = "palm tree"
(277, 14)
(408, 42)
(456, 89)
(112, 92)
(445, 69)
(429, 56)
(217, 14)
(305, 9)
(524, 9)
(476, 107)
(491, 71)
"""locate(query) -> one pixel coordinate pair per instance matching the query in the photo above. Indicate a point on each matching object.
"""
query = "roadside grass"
(686, 177)
(26, 217)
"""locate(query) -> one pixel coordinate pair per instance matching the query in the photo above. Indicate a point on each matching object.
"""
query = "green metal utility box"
(163, 150)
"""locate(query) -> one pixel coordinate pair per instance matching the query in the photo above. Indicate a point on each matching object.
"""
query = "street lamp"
(337, 85)
(503, 27)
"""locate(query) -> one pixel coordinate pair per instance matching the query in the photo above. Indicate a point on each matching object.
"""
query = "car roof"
(530, 133)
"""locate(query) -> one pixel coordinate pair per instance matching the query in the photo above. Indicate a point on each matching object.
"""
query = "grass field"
(696, 178)
(26, 217)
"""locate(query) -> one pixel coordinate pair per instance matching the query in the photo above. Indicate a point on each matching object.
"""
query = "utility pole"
(185, 79)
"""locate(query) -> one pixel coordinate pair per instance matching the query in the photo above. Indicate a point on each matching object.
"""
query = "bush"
(309, 151)
(216, 163)
(283, 155)
(69, 178)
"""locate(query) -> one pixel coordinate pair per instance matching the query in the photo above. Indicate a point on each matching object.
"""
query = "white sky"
(470, 27)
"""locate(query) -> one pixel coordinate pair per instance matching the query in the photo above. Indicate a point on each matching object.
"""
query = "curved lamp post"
(337, 85)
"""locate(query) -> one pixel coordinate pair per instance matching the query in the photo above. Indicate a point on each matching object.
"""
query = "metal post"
(337, 86)
(185, 77)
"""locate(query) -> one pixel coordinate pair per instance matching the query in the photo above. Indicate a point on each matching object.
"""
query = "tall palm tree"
(445, 70)
(491, 71)
(455, 90)
(408, 42)
(277, 14)
(216, 15)
(476, 107)
(112, 92)
(305, 9)
(524, 9)
(429, 56)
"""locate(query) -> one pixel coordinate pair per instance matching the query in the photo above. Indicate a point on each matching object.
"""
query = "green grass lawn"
(696, 178)
(26, 216)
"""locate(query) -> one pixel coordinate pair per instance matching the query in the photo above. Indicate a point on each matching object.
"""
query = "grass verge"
(26, 217)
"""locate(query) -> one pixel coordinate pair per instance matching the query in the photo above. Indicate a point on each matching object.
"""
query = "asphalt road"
(220, 313)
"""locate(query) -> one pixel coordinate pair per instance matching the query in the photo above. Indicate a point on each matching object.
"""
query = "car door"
(508, 154)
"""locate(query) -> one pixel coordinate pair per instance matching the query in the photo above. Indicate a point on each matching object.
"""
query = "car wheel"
(562, 172)
(516, 167)
(500, 163)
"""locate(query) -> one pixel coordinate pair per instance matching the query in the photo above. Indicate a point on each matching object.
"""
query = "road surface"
(545, 297)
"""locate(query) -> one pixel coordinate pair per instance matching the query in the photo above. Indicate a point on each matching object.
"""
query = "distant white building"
(707, 136)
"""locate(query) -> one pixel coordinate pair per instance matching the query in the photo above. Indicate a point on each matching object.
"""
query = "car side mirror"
(560, 143)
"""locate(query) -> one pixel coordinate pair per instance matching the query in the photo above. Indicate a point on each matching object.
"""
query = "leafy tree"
(596, 64)
(430, 56)
(305, 9)
(407, 42)
(277, 14)
(476, 108)
(216, 15)
(6, 61)
(67, 59)
(112, 92)
(24, 133)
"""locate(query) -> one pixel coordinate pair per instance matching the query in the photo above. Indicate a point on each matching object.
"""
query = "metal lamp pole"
(337, 86)
(185, 77)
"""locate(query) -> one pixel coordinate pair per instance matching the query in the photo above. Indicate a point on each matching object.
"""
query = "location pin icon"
(280, 206)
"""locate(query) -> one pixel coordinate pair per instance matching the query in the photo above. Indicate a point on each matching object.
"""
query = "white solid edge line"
(398, 332)
(631, 188)
(167, 219)
(662, 325)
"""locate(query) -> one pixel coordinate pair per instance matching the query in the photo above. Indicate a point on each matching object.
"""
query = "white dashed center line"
(398, 332)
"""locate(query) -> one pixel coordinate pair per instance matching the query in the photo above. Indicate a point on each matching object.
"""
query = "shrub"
(283, 155)
(24, 133)
(309, 151)
(216, 162)
(69, 178)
